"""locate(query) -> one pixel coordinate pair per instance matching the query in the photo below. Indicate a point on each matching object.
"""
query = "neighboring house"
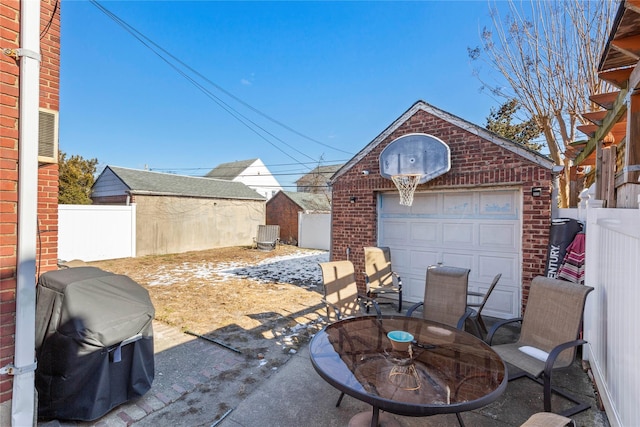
(28, 185)
(251, 172)
(284, 208)
(611, 159)
(176, 213)
(613, 148)
(491, 212)
(317, 181)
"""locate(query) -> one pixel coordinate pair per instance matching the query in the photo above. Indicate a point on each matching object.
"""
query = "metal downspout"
(23, 398)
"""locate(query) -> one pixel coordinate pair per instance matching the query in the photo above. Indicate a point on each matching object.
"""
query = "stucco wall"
(475, 162)
(168, 224)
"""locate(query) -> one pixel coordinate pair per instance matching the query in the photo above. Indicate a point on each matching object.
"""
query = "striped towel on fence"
(572, 268)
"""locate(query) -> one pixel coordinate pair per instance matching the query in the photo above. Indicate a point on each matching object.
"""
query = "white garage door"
(479, 230)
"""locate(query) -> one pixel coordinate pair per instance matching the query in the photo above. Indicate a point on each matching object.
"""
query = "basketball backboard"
(415, 153)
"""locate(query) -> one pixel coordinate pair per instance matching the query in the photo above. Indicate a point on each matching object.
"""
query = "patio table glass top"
(444, 371)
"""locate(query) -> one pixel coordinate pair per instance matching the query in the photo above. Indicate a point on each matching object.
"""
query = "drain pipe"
(23, 398)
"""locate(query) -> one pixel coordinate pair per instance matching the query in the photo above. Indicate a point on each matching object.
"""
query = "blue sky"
(336, 72)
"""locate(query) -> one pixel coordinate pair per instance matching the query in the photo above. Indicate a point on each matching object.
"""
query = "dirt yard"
(254, 301)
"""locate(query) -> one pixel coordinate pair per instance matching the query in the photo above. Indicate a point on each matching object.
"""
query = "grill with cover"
(94, 342)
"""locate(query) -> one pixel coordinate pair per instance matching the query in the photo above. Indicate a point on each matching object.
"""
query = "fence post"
(134, 231)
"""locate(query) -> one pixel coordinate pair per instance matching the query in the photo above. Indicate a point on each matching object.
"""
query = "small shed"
(489, 212)
(176, 213)
(285, 207)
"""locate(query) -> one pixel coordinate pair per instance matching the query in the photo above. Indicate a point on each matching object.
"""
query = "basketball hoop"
(414, 159)
(406, 184)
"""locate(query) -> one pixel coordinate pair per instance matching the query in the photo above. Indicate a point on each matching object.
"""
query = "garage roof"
(156, 183)
(310, 201)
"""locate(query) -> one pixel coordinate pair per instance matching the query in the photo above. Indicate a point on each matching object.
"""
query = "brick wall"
(47, 241)
(475, 163)
(282, 211)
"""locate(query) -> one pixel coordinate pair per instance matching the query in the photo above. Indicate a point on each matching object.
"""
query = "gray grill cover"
(94, 342)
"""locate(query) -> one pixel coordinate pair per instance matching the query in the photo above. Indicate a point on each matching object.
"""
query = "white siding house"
(253, 173)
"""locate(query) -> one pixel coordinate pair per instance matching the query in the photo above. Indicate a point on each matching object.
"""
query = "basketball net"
(406, 185)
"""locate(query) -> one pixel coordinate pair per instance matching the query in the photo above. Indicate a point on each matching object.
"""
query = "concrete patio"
(295, 395)
(298, 396)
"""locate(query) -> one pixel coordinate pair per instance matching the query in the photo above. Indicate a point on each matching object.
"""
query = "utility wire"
(234, 113)
(46, 28)
(274, 165)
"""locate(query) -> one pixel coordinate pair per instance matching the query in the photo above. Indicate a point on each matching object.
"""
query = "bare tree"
(547, 52)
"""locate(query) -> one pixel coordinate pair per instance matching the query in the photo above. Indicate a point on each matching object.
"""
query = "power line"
(235, 114)
(230, 110)
(274, 165)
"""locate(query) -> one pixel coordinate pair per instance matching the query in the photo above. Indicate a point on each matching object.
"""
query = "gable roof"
(156, 183)
(309, 201)
(326, 170)
(230, 170)
(483, 133)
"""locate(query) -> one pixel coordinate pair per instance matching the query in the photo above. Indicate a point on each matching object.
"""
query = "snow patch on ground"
(299, 268)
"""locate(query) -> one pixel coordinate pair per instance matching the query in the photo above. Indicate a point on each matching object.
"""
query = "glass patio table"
(445, 370)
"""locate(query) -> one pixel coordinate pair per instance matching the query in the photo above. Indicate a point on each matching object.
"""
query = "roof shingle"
(157, 183)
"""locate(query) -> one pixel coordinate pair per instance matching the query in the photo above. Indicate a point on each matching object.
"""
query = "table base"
(363, 419)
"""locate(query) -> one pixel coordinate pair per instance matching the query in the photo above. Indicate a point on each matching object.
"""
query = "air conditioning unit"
(48, 136)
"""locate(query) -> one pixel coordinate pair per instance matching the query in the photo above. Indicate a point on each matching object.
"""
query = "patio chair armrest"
(413, 308)
(398, 279)
(468, 312)
(335, 309)
(371, 301)
(367, 282)
(498, 325)
(553, 355)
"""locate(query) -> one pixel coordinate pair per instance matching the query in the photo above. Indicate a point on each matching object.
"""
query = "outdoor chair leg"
(460, 419)
(482, 325)
(545, 382)
(547, 393)
(340, 399)
(375, 417)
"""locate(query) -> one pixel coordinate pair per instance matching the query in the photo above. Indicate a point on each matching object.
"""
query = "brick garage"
(47, 206)
(479, 160)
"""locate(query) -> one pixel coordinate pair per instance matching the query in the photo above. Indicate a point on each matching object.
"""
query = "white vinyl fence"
(96, 232)
(612, 268)
(314, 230)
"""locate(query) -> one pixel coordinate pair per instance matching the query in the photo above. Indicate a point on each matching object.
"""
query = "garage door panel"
(456, 233)
(490, 265)
(502, 303)
(504, 300)
(457, 204)
(424, 233)
(413, 289)
(479, 230)
(391, 204)
(498, 203)
(458, 260)
(498, 237)
(400, 259)
(395, 232)
(425, 204)
(420, 260)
